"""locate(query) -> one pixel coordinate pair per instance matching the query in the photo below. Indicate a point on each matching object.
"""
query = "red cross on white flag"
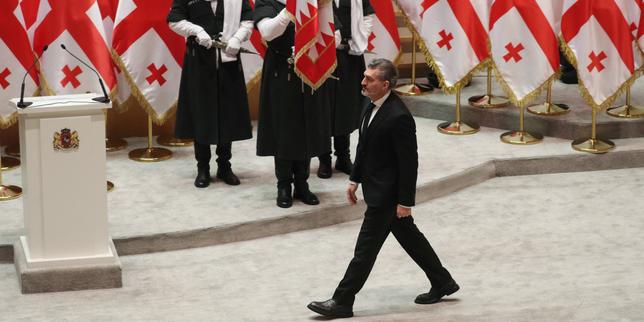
(384, 40)
(524, 47)
(453, 33)
(315, 58)
(599, 41)
(17, 57)
(78, 25)
(148, 54)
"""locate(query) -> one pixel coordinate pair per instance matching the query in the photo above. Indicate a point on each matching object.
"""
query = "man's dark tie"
(367, 116)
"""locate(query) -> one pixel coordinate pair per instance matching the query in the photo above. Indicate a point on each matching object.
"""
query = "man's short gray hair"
(388, 71)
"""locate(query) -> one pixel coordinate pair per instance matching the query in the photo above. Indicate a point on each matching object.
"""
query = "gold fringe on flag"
(140, 98)
(431, 62)
(584, 91)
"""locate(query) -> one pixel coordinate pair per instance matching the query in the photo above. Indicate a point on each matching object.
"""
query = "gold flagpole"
(548, 108)
(521, 137)
(167, 140)
(593, 145)
(150, 154)
(8, 192)
(412, 89)
(627, 110)
(489, 100)
(458, 127)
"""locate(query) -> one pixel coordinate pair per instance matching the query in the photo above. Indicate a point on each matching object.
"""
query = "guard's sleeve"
(178, 11)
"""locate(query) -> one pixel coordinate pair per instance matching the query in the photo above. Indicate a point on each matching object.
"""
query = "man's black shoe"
(324, 170)
(306, 196)
(344, 164)
(203, 179)
(330, 308)
(228, 177)
(284, 197)
(435, 294)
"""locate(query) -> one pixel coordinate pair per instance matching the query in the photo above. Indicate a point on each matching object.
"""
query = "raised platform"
(573, 125)
(155, 206)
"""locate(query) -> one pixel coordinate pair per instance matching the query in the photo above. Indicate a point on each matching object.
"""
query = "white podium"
(66, 245)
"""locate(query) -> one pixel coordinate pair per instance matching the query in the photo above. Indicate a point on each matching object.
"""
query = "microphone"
(105, 99)
(22, 103)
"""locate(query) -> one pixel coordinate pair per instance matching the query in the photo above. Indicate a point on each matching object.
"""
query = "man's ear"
(388, 84)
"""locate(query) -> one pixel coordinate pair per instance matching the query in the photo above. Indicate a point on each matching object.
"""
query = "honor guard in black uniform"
(294, 120)
(355, 25)
(213, 106)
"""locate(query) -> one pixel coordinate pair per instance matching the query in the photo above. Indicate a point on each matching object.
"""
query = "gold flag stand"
(548, 108)
(521, 137)
(458, 127)
(627, 110)
(110, 186)
(489, 100)
(593, 145)
(112, 145)
(13, 151)
(167, 140)
(8, 163)
(150, 154)
(8, 192)
(413, 89)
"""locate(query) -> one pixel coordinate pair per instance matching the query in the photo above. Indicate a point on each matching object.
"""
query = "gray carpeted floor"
(561, 247)
(160, 197)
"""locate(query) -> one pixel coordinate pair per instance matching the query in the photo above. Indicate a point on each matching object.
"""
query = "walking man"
(387, 166)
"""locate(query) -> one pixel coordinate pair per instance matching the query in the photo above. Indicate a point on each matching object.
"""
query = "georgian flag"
(315, 58)
(149, 55)
(636, 22)
(252, 64)
(384, 40)
(17, 57)
(599, 41)
(78, 25)
(453, 33)
(524, 46)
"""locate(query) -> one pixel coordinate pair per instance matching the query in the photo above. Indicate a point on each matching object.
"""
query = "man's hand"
(351, 193)
(403, 212)
(203, 39)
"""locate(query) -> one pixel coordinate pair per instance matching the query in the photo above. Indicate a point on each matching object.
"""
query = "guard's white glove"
(203, 39)
(233, 46)
(338, 38)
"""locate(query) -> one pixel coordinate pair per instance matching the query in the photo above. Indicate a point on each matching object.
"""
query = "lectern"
(66, 245)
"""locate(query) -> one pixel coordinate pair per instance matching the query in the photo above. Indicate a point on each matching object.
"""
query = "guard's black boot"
(284, 197)
(303, 193)
(343, 163)
(228, 177)
(325, 171)
(203, 178)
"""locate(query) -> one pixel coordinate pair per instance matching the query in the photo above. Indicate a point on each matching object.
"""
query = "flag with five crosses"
(524, 45)
(252, 64)
(76, 24)
(149, 54)
(598, 40)
(314, 53)
(384, 40)
(17, 56)
(452, 35)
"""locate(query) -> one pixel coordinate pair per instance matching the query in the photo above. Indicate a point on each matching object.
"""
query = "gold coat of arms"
(66, 140)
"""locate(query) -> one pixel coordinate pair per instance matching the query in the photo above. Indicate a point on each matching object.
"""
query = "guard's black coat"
(293, 123)
(213, 106)
(347, 102)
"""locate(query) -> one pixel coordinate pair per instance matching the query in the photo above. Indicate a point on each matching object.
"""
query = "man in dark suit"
(387, 166)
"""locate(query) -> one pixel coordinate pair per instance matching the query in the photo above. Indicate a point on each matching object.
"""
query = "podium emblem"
(66, 140)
